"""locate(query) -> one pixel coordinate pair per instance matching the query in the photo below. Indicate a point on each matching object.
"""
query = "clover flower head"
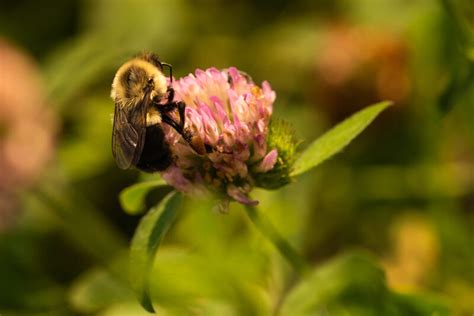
(228, 114)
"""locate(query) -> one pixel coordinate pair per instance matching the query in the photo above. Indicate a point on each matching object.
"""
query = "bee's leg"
(168, 120)
(181, 111)
(182, 119)
(198, 146)
(179, 127)
(170, 106)
(170, 95)
(165, 108)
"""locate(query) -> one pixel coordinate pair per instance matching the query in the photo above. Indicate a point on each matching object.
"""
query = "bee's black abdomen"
(156, 154)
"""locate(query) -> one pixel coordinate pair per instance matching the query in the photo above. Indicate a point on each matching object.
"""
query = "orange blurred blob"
(358, 66)
(27, 127)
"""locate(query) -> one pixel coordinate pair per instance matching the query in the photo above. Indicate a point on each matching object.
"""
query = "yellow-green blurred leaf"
(148, 236)
(337, 138)
(132, 198)
(97, 289)
(353, 284)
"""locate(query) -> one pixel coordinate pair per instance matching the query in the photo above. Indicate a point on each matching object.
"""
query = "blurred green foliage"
(403, 192)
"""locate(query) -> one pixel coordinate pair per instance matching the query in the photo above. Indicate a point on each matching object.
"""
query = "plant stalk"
(284, 247)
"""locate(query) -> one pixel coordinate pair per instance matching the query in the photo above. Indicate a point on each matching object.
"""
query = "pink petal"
(233, 119)
(239, 196)
(268, 162)
(174, 177)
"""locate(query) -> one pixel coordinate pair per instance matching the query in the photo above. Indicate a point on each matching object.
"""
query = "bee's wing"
(128, 135)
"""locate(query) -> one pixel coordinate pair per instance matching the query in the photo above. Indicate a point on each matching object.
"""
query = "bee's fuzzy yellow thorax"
(126, 93)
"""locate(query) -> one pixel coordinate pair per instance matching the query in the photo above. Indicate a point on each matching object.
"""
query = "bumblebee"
(143, 102)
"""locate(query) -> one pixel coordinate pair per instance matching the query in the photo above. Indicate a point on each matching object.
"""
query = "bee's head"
(138, 78)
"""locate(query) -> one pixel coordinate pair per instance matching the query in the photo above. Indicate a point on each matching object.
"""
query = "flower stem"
(269, 231)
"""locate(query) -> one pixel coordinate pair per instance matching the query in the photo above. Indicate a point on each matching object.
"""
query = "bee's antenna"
(171, 70)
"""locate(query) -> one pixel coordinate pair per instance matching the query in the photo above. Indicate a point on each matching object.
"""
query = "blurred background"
(388, 225)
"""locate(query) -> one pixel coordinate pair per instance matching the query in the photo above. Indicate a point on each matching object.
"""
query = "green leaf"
(337, 138)
(284, 247)
(132, 198)
(97, 289)
(354, 284)
(145, 243)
